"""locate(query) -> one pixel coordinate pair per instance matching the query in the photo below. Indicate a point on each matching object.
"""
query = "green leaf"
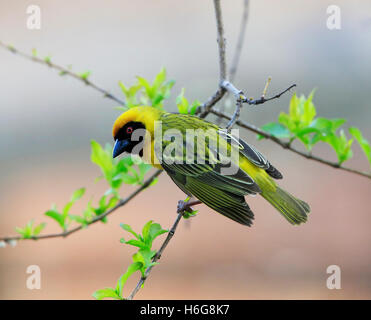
(145, 231)
(154, 181)
(130, 270)
(336, 123)
(19, 230)
(127, 228)
(182, 103)
(75, 196)
(155, 230)
(143, 169)
(301, 113)
(77, 218)
(78, 194)
(56, 216)
(138, 257)
(89, 212)
(194, 106)
(191, 214)
(166, 89)
(159, 79)
(148, 88)
(106, 293)
(103, 159)
(112, 202)
(136, 243)
(130, 94)
(84, 75)
(38, 229)
(121, 166)
(123, 88)
(327, 126)
(157, 99)
(275, 129)
(121, 108)
(128, 179)
(67, 208)
(309, 111)
(285, 120)
(341, 145)
(364, 144)
(127, 161)
(28, 229)
(144, 256)
(294, 112)
(304, 137)
(102, 202)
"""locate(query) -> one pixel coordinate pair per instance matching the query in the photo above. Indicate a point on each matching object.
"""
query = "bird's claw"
(183, 206)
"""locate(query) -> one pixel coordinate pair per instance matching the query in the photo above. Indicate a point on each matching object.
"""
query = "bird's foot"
(183, 206)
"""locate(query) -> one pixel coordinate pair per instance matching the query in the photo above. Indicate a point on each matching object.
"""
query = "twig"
(287, 145)
(180, 212)
(66, 233)
(236, 115)
(241, 98)
(204, 109)
(221, 41)
(262, 99)
(64, 71)
(238, 50)
(239, 45)
(239, 95)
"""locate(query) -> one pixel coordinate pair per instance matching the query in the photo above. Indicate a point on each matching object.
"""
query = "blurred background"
(47, 122)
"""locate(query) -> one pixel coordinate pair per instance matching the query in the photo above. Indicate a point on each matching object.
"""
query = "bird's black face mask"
(126, 140)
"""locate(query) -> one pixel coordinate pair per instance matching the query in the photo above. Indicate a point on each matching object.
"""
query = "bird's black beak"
(119, 147)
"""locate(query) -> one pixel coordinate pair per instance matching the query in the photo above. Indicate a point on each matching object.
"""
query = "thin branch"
(182, 206)
(238, 94)
(287, 145)
(239, 45)
(238, 50)
(262, 99)
(236, 115)
(221, 41)
(204, 109)
(63, 71)
(66, 233)
(241, 98)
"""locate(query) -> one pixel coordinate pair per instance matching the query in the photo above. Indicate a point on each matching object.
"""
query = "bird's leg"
(185, 205)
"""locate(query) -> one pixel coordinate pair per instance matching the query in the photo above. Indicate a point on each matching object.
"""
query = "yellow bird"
(204, 177)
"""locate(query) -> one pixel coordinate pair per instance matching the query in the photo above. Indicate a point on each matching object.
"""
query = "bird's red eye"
(129, 130)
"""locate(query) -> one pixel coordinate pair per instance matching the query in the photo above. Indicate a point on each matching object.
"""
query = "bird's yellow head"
(131, 127)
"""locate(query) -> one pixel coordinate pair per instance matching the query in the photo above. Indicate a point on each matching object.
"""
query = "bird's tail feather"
(292, 208)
